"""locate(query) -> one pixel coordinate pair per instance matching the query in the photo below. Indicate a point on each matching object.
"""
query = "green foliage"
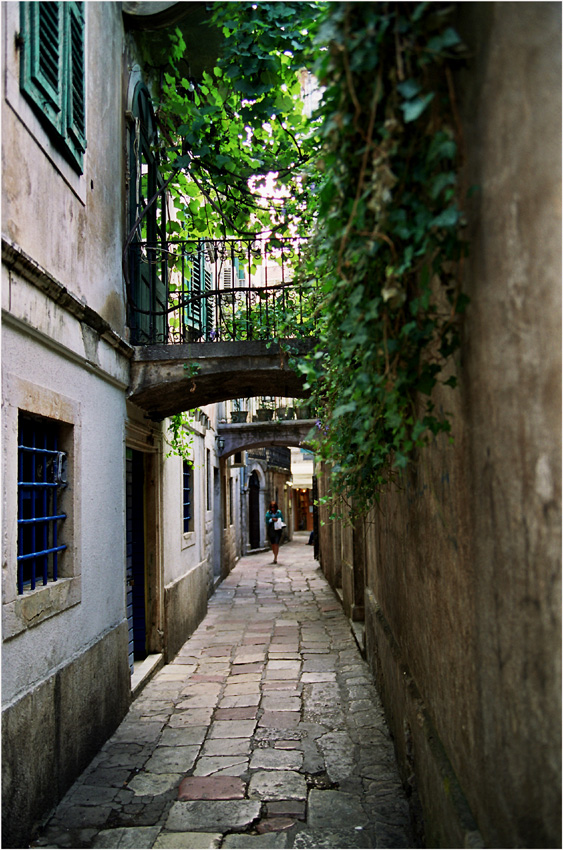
(181, 436)
(388, 247)
(228, 133)
(374, 177)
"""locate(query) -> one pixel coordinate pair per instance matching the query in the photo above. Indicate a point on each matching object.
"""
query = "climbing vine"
(236, 140)
(389, 245)
(372, 175)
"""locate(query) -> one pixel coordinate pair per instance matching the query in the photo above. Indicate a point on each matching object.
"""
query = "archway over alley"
(168, 379)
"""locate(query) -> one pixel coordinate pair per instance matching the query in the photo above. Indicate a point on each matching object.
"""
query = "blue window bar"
(40, 477)
(187, 497)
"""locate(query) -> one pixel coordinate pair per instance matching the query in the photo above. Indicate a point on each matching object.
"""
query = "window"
(231, 504)
(148, 270)
(52, 72)
(187, 497)
(41, 480)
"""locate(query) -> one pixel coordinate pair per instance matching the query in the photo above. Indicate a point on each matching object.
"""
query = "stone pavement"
(265, 731)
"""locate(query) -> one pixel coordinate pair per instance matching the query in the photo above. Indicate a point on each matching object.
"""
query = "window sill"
(34, 607)
(188, 539)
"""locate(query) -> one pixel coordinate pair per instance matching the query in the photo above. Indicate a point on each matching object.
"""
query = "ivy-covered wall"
(463, 559)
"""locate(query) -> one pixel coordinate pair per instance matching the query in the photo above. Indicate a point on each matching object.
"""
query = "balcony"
(218, 290)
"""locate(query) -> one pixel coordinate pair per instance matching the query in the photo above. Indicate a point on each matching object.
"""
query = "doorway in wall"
(217, 524)
(135, 557)
(254, 511)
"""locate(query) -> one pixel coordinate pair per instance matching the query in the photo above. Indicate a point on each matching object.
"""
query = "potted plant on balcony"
(238, 413)
(285, 413)
(303, 411)
(265, 411)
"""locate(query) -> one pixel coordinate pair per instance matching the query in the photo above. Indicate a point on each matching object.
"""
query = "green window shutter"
(41, 58)
(52, 71)
(75, 88)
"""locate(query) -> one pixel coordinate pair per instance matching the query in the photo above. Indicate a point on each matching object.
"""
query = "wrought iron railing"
(215, 290)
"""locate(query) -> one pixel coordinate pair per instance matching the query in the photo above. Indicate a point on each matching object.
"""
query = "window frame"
(188, 473)
(21, 612)
(52, 73)
(42, 471)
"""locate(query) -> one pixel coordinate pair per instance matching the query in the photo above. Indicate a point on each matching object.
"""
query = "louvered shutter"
(75, 118)
(42, 59)
(52, 71)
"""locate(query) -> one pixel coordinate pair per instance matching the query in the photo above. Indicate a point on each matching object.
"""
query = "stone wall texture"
(78, 713)
(462, 563)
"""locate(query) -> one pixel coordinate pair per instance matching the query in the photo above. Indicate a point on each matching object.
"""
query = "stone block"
(127, 837)
(277, 785)
(172, 760)
(212, 815)
(188, 841)
(211, 788)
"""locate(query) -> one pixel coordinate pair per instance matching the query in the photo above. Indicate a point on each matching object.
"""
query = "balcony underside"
(167, 379)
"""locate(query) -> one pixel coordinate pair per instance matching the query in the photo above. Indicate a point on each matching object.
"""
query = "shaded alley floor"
(265, 731)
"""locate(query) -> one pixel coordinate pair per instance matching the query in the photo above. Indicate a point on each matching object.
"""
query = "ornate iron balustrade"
(217, 290)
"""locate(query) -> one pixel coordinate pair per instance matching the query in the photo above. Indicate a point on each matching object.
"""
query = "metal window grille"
(41, 475)
(187, 497)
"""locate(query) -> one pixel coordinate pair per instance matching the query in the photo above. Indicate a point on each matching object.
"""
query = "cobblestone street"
(265, 731)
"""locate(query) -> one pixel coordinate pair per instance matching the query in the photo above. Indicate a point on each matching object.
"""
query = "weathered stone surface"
(188, 840)
(258, 841)
(172, 760)
(343, 839)
(211, 788)
(153, 784)
(127, 837)
(232, 765)
(334, 808)
(276, 759)
(277, 785)
(212, 815)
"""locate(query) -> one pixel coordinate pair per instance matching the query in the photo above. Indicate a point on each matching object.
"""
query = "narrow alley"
(265, 731)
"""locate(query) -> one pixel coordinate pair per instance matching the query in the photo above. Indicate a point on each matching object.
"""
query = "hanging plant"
(388, 247)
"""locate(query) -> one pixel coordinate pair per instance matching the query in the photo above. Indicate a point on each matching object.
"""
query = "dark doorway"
(135, 562)
(254, 511)
(217, 524)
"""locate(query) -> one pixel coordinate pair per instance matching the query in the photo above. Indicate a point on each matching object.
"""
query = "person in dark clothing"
(273, 516)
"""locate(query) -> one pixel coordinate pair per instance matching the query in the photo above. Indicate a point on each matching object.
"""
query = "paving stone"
(212, 815)
(281, 703)
(277, 785)
(226, 747)
(153, 784)
(172, 760)
(188, 840)
(273, 839)
(232, 729)
(287, 808)
(240, 700)
(276, 759)
(243, 713)
(231, 765)
(182, 736)
(198, 701)
(333, 808)
(280, 719)
(91, 795)
(196, 717)
(211, 788)
(127, 837)
(338, 751)
(280, 824)
(331, 838)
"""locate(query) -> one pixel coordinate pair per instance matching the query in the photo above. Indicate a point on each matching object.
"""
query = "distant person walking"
(274, 526)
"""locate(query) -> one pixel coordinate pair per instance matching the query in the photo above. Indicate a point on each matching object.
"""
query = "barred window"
(52, 72)
(41, 480)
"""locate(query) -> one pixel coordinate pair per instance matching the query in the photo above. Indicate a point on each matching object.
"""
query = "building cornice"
(14, 258)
